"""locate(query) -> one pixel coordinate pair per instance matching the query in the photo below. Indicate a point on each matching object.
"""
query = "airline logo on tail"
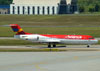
(18, 29)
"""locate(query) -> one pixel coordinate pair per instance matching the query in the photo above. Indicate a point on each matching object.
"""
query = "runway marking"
(57, 60)
(76, 57)
(71, 59)
(37, 66)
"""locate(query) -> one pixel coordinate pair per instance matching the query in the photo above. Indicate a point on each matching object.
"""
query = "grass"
(93, 31)
(29, 50)
(52, 20)
(45, 49)
(57, 20)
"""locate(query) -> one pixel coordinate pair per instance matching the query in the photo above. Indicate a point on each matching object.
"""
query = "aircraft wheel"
(49, 46)
(54, 45)
(88, 46)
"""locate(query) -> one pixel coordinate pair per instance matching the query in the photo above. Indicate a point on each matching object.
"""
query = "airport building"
(4, 9)
(43, 7)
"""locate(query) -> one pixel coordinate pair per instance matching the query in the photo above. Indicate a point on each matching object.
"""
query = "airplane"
(53, 40)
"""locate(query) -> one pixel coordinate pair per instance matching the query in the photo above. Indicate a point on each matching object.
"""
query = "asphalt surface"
(50, 25)
(7, 38)
(50, 61)
(62, 47)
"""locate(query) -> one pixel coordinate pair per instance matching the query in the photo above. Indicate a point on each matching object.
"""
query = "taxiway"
(50, 61)
(44, 46)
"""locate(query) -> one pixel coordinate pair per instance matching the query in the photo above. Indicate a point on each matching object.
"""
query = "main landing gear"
(54, 45)
(49, 45)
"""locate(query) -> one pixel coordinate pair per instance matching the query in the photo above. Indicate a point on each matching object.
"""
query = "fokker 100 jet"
(53, 40)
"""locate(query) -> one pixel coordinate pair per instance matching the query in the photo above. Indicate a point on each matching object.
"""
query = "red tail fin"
(18, 29)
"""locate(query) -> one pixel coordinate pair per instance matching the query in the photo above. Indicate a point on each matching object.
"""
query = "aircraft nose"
(96, 41)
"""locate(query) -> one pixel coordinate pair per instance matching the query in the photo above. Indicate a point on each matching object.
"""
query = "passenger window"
(24, 36)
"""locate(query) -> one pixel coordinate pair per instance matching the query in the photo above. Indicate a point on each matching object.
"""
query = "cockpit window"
(91, 38)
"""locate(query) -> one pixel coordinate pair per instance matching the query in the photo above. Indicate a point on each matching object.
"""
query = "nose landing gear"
(88, 46)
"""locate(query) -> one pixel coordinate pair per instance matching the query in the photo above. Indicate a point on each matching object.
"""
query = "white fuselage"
(43, 39)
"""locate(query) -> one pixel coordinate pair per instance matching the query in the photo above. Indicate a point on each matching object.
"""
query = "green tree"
(5, 2)
(91, 10)
(81, 9)
(89, 5)
(97, 8)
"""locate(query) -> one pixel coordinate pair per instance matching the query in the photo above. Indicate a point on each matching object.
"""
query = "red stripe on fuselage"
(82, 37)
(74, 37)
